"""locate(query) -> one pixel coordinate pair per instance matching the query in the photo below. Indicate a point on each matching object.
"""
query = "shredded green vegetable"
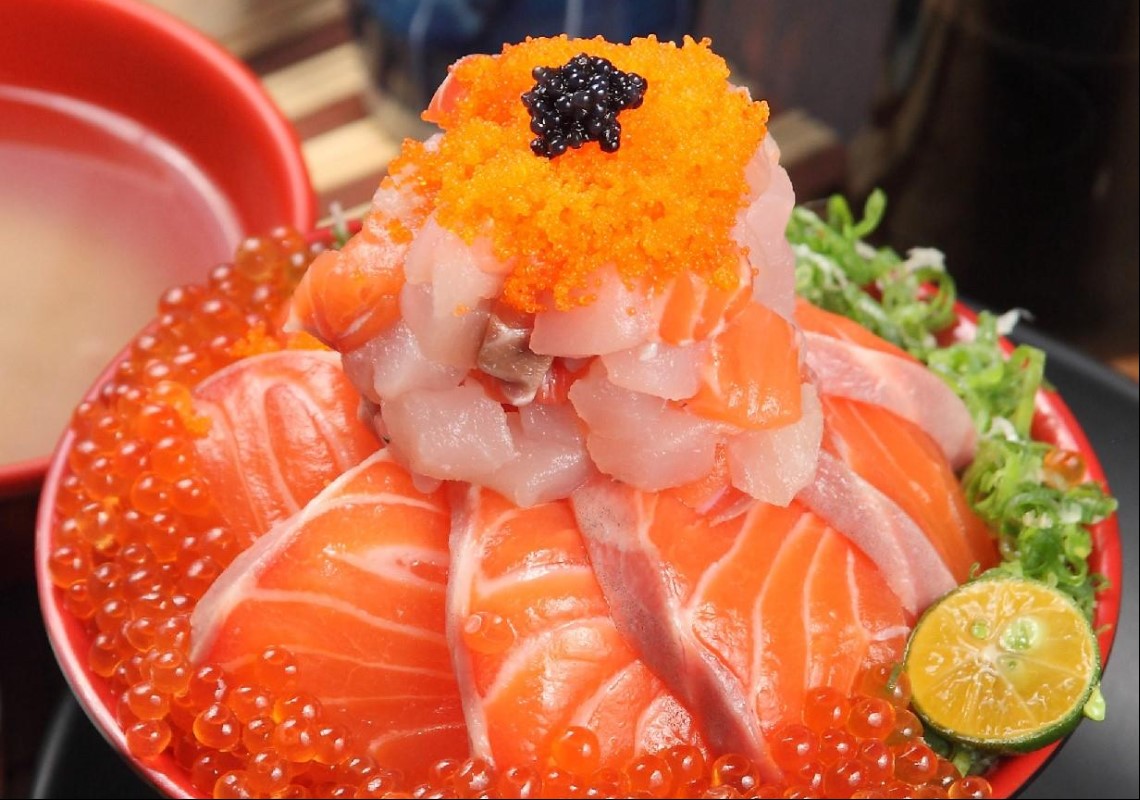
(993, 386)
(905, 301)
(1041, 523)
(1040, 520)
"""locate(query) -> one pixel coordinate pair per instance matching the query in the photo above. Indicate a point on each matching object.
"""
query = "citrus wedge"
(1003, 663)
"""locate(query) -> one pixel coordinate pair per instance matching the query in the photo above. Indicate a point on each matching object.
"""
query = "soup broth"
(98, 215)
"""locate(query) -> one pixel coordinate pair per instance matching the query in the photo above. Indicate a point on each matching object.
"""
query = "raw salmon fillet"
(738, 616)
(902, 462)
(354, 586)
(350, 295)
(535, 647)
(283, 425)
(846, 360)
(752, 379)
(815, 319)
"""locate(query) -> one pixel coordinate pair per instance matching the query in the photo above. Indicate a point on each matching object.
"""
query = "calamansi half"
(1003, 663)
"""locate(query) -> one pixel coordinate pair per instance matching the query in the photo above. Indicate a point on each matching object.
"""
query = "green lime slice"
(1003, 663)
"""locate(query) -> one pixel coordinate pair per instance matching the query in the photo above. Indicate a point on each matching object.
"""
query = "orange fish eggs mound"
(664, 203)
(138, 541)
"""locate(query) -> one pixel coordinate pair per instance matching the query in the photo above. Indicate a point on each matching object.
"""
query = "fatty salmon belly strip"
(902, 462)
(766, 565)
(782, 609)
(647, 590)
(901, 385)
(852, 619)
(283, 425)
(909, 563)
(534, 646)
(354, 586)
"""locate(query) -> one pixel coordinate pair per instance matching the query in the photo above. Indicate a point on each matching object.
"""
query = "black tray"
(1099, 760)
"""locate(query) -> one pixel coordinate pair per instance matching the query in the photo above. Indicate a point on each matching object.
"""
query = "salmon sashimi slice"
(694, 309)
(752, 376)
(535, 648)
(850, 361)
(908, 560)
(904, 386)
(283, 425)
(824, 608)
(739, 616)
(447, 94)
(351, 295)
(354, 586)
(813, 318)
(903, 463)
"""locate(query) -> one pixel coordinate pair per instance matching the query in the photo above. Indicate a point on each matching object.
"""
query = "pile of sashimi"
(587, 467)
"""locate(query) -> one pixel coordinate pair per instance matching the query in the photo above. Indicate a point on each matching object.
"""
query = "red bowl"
(137, 62)
(1053, 423)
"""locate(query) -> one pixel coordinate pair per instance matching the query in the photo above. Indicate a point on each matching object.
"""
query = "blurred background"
(1004, 132)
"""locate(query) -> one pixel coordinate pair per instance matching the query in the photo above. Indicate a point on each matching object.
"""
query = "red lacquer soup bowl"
(133, 151)
(71, 638)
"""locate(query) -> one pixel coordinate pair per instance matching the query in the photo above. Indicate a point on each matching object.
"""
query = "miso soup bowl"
(140, 64)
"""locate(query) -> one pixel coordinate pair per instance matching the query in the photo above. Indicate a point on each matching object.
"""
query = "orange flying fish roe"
(664, 203)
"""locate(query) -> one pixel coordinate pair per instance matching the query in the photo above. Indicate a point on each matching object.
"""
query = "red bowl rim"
(23, 476)
(1054, 422)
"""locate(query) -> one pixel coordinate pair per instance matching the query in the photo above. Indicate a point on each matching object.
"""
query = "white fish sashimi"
(774, 465)
(658, 369)
(450, 339)
(392, 363)
(762, 232)
(906, 387)
(460, 274)
(420, 262)
(551, 423)
(758, 170)
(446, 299)
(450, 434)
(541, 472)
(552, 460)
(618, 319)
(638, 438)
(684, 453)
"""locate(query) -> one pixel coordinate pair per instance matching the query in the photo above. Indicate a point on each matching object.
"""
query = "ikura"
(866, 745)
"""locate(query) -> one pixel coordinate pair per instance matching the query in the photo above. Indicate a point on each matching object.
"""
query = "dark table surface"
(1099, 760)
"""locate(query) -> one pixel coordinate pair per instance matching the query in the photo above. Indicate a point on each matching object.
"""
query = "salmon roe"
(675, 186)
(137, 541)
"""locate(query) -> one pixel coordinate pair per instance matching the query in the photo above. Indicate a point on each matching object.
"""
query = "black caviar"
(578, 103)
